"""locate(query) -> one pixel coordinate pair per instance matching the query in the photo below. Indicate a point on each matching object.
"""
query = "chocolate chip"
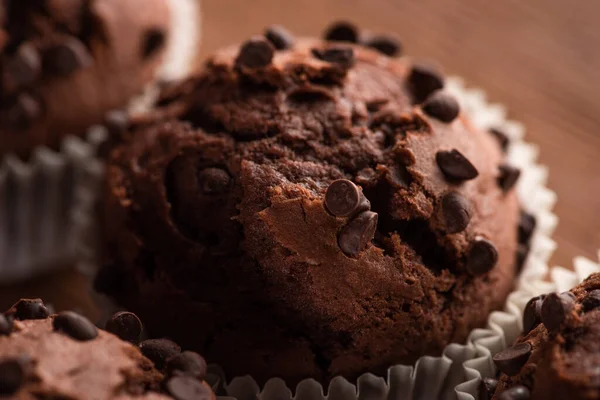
(342, 198)
(342, 56)
(508, 177)
(441, 106)
(511, 360)
(532, 315)
(255, 53)
(455, 166)
(187, 363)
(455, 212)
(388, 45)
(116, 122)
(279, 37)
(159, 350)
(591, 300)
(555, 309)
(6, 325)
(501, 137)
(518, 392)
(342, 32)
(214, 180)
(125, 325)
(76, 326)
(23, 112)
(522, 253)
(358, 233)
(527, 223)
(29, 309)
(482, 256)
(12, 376)
(65, 58)
(487, 388)
(187, 388)
(22, 69)
(422, 81)
(153, 40)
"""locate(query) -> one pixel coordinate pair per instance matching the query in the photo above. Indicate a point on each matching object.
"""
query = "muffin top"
(557, 356)
(65, 63)
(314, 201)
(66, 356)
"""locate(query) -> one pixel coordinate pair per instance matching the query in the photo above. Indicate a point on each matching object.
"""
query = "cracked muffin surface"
(217, 229)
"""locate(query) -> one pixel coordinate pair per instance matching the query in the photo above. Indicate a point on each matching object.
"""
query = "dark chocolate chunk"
(29, 309)
(422, 81)
(12, 376)
(214, 180)
(125, 325)
(279, 37)
(159, 350)
(555, 309)
(527, 223)
(67, 57)
(487, 388)
(187, 388)
(342, 198)
(358, 233)
(522, 253)
(518, 392)
(510, 360)
(455, 212)
(342, 56)
(501, 137)
(482, 256)
(591, 300)
(455, 166)
(187, 363)
(22, 69)
(116, 122)
(255, 53)
(6, 325)
(342, 31)
(508, 177)
(532, 315)
(154, 39)
(441, 106)
(23, 112)
(388, 45)
(74, 325)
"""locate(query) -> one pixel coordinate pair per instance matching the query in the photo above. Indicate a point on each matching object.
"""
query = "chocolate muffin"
(310, 208)
(65, 63)
(64, 356)
(557, 356)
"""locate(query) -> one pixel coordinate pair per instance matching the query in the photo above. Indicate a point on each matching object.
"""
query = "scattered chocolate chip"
(522, 253)
(23, 112)
(6, 325)
(343, 198)
(159, 350)
(518, 392)
(255, 53)
(422, 81)
(187, 388)
(388, 45)
(22, 69)
(12, 376)
(29, 309)
(510, 360)
(532, 315)
(455, 212)
(214, 180)
(342, 32)
(342, 56)
(509, 175)
(555, 309)
(187, 363)
(441, 106)
(455, 166)
(153, 40)
(279, 37)
(74, 325)
(482, 256)
(126, 325)
(358, 233)
(116, 122)
(66, 57)
(527, 223)
(591, 300)
(501, 137)
(487, 388)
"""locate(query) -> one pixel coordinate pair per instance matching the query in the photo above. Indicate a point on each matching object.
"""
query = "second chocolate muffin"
(305, 208)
